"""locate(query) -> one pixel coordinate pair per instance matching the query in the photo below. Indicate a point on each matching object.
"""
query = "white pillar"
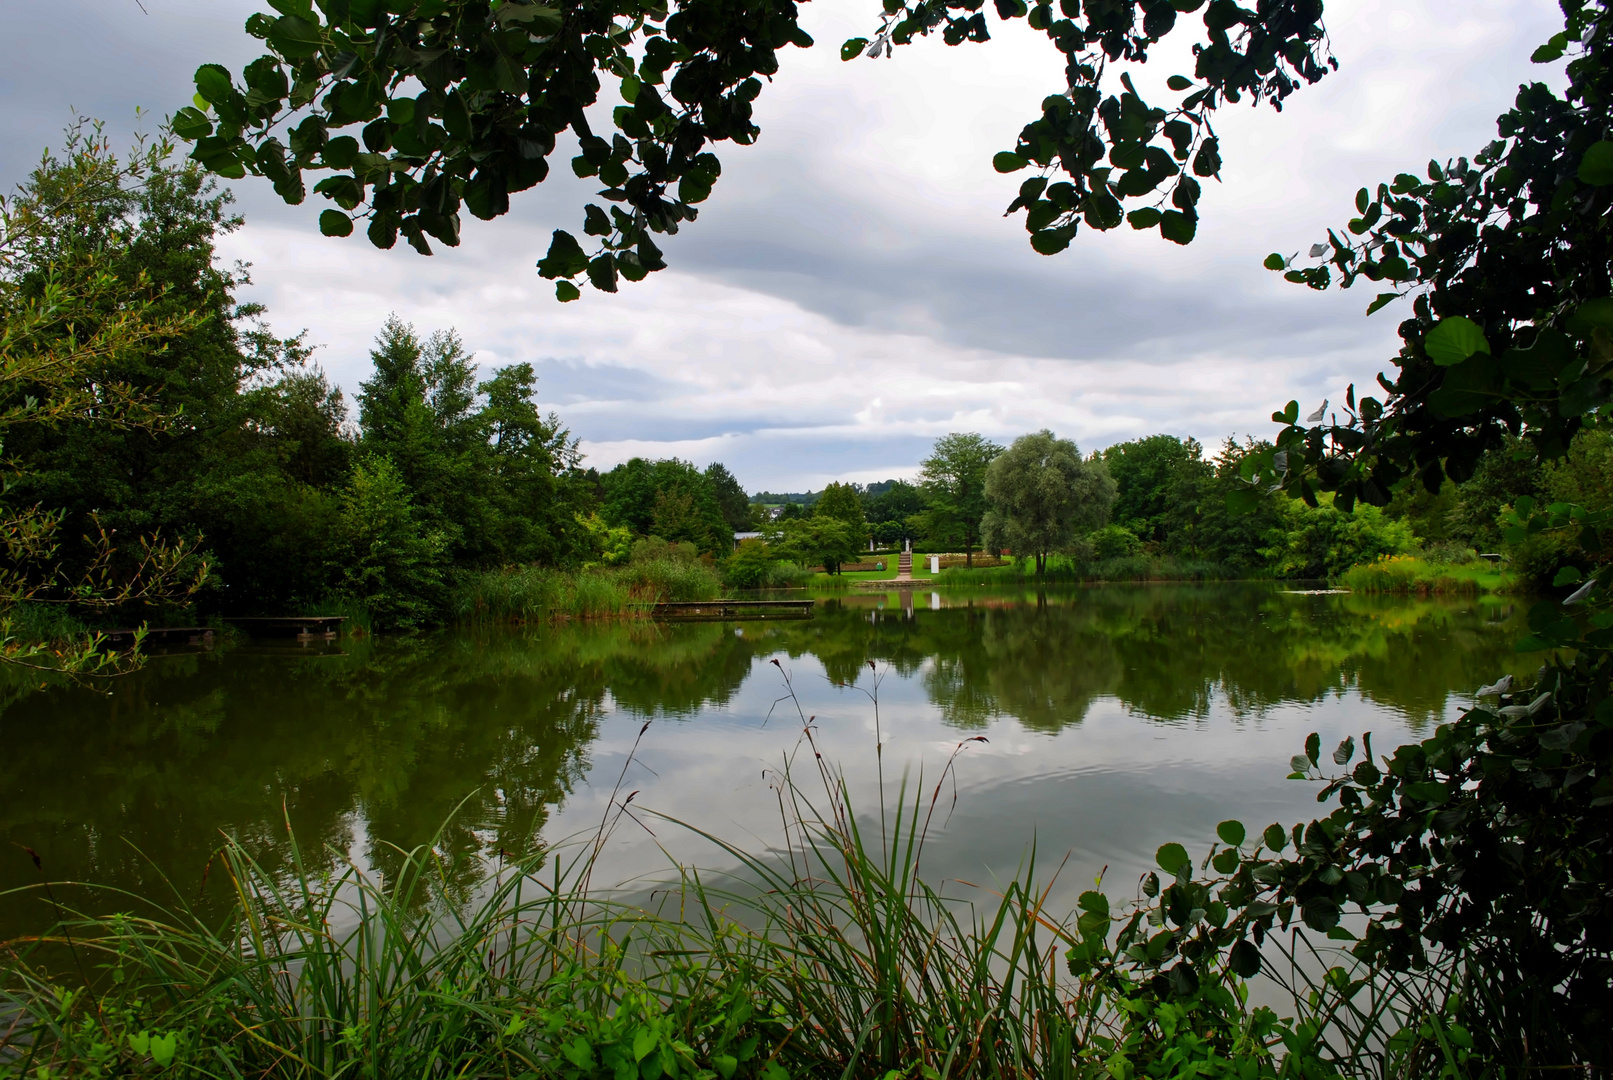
(935, 564)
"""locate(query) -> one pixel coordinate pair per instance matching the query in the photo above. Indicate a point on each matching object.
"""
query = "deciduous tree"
(954, 479)
(1041, 491)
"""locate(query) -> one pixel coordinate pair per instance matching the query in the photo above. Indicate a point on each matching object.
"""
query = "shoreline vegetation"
(830, 955)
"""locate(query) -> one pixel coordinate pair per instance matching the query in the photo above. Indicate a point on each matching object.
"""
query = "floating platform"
(301, 627)
(710, 610)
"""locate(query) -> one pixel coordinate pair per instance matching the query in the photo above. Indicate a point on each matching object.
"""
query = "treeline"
(444, 492)
(231, 451)
(1159, 504)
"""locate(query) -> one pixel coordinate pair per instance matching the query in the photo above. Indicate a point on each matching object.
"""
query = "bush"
(1408, 574)
(1115, 542)
(1321, 542)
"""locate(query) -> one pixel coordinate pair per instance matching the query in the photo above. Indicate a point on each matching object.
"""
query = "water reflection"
(371, 747)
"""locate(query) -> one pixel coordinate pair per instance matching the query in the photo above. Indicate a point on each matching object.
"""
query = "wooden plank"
(297, 626)
(734, 609)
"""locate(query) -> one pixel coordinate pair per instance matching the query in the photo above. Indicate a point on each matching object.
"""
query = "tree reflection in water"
(371, 749)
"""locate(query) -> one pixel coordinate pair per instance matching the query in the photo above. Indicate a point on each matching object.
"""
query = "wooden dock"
(191, 636)
(709, 610)
(301, 627)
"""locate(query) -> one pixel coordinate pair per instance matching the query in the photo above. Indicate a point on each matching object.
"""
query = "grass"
(1408, 574)
(1061, 568)
(829, 955)
(531, 593)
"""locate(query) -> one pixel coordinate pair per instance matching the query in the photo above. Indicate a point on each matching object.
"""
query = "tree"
(843, 502)
(1487, 841)
(461, 102)
(670, 499)
(954, 479)
(1153, 479)
(1041, 491)
(817, 540)
(390, 562)
(731, 498)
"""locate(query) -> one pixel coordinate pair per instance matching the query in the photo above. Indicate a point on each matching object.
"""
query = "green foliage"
(843, 503)
(731, 497)
(1042, 491)
(1408, 574)
(668, 498)
(389, 560)
(445, 121)
(1502, 337)
(1321, 542)
(1114, 542)
(953, 480)
(1157, 480)
(688, 76)
(819, 540)
(755, 565)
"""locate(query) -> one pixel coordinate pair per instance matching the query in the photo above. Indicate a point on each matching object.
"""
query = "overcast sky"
(852, 290)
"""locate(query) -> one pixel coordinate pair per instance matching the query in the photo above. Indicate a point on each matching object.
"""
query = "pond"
(1111, 720)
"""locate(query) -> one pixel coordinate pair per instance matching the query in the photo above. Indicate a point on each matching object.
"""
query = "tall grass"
(829, 956)
(1412, 575)
(531, 593)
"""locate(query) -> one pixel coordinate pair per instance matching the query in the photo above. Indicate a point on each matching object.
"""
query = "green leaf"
(191, 124)
(1178, 227)
(1243, 501)
(1596, 167)
(1178, 82)
(566, 292)
(1454, 340)
(1095, 902)
(853, 48)
(1383, 300)
(645, 1039)
(1345, 751)
(1274, 837)
(335, 223)
(1552, 50)
(1275, 261)
(213, 84)
(1244, 959)
(1592, 315)
(340, 152)
(1007, 161)
(1171, 857)
(1231, 832)
(1225, 861)
(565, 259)
(1313, 747)
(1145, 218)
(295, 37)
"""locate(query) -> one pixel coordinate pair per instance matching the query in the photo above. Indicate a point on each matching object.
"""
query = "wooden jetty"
(199, 636)
(301, 627)
(734, 609)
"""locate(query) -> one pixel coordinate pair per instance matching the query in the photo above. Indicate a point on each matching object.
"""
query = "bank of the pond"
(532, 593)
(832, 958)
(1014, 571)
(1413, 576)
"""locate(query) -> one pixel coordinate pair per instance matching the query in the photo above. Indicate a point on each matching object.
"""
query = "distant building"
(742, 536)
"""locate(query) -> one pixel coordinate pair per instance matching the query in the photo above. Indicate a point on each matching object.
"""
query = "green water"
(1115, 719)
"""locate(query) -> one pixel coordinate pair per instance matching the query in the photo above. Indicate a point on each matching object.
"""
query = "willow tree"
(1042, 492)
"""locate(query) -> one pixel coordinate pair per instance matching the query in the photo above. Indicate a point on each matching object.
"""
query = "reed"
(532, 593)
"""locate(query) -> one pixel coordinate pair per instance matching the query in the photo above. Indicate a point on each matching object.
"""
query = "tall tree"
(843, 502)
(731, 498)
(954, 479)
(668, 498)
(1154, 481)
(1041, 491)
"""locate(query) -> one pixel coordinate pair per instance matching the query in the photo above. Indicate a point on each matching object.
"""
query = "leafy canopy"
(411, 111)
